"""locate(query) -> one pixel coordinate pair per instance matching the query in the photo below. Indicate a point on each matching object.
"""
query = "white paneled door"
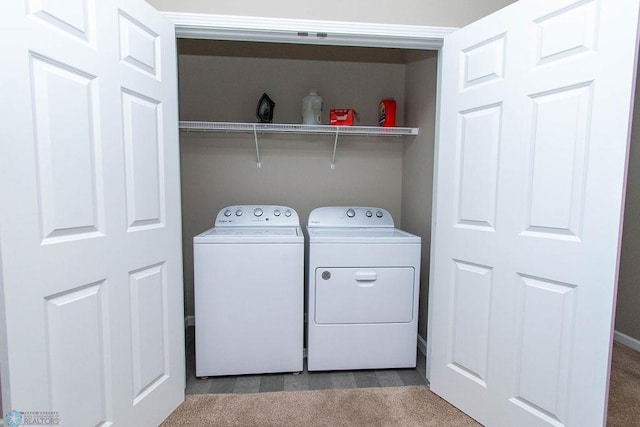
(90, 213)
(531, 167)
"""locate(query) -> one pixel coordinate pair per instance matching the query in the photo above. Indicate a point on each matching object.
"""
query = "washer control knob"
(239, 212)
(287, 213)
(277, 212)
(326, 275)
(227, 212)
(369, 214)
(257, 212)
(379, 214)
(351, 213)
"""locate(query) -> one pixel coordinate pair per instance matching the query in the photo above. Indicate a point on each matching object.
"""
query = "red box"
(342, 117)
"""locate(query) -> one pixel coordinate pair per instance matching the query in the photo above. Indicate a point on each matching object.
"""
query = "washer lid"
(360, 235)
(250, 235)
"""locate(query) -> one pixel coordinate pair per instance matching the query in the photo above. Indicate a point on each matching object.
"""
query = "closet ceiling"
(301, 51)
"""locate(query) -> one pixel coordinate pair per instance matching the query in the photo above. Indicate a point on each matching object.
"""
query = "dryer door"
(364, 295)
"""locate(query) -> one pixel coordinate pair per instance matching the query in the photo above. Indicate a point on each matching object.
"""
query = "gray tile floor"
(303, 381)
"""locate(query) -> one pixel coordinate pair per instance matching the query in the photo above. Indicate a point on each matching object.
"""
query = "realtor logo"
(31, 418)
(14, 418)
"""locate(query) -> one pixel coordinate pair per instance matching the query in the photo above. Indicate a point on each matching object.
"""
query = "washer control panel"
(350, 216)
(257, 215)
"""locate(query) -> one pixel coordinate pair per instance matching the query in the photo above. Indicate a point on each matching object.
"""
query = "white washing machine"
(249, 292)
(364, 280)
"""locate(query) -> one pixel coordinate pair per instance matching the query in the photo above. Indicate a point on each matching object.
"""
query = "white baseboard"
(189, 321)
(422, 345)
(623, 339)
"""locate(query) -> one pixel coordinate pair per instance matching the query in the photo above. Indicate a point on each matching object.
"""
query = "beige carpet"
(624, 388)
(389, 406)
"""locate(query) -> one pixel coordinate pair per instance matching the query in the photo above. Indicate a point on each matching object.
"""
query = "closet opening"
(222, 81)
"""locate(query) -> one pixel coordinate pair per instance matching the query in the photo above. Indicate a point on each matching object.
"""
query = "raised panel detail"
(77, 331)
(471, 312)
(567, 32)
(68, 153)
(558, 162)
(545, 348)
(139, 46)
(149, 324)
(144, 161)
(483, 62)
(71, 16)
(477, 178)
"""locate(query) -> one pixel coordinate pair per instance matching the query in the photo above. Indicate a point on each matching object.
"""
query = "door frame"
(333, 33)
(304, 31)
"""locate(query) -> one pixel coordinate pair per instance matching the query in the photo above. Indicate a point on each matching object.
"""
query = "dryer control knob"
(379, 214)
(277, 212)
(239, 212)
(287, 213)
(227, 212)
(369, 214)
(351, 213)
(257, 212)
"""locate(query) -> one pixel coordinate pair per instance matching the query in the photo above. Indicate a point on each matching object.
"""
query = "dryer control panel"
(350, 216)
(257, 215)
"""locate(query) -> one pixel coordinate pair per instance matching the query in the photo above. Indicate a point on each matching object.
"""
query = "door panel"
(144, 167)
(483, 62)
(76, 17)
(470, 327)
(571, 30)
(66, 127)
(149, 326)
(139, 46)
(534, 131)
(90, 231)
(543, 355)
(82, 374)
(556, 172)
(477, 177)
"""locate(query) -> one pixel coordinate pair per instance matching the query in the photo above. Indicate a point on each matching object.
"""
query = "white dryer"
(363, 290)
(249, 292)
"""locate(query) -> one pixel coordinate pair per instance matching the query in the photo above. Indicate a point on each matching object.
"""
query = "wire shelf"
(263, 128)
(295, 128)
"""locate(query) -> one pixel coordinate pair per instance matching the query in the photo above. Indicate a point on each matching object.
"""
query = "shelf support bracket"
(255, 137)
(335, 146)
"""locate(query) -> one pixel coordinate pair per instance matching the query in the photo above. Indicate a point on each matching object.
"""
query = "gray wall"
(628, 307)
(417, 165)
(220, 169)
(452, 13)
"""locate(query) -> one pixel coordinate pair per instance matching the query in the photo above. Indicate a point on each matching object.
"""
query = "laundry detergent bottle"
(312, 109)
